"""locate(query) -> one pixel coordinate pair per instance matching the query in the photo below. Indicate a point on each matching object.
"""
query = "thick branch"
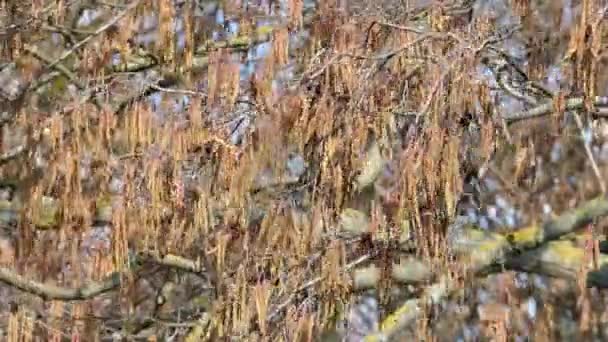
(562, 259)
(483, 249)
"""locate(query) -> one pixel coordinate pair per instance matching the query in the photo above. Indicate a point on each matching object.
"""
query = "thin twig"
(396, 26)
(325, 65)
(312, 283)
(66, 72)
(177, 91)
(97, 32)
(586, 143)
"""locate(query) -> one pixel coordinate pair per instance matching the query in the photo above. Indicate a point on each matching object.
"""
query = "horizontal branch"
(49, 291)
(93, 288)
(173, 261)
(548, 107)
(562, 259)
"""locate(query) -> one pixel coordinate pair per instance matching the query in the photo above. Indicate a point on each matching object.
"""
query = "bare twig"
(176, 91)
(587, 144)
(279, 308)
(97, 32)
(66, 72)
(399, 27)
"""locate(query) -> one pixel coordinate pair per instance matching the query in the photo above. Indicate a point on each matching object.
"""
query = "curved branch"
(93, 288)
(48, 291)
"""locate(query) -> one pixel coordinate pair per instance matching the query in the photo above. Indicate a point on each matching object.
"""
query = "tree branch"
(97, 32)
(93, 288)
(483, 249)
(49, 291)
(547, 107)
